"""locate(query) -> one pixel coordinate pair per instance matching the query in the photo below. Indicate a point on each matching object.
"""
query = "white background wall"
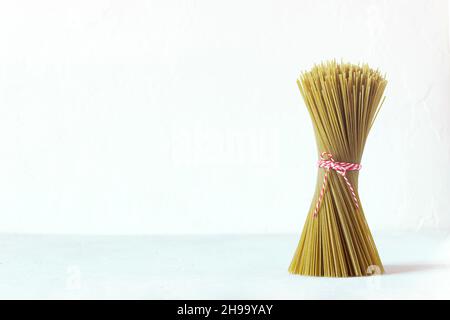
(174, 116)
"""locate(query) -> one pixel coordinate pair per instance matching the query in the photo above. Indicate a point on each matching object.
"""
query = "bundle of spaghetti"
(343, 101)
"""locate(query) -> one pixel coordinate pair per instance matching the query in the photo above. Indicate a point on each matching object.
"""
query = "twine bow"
(327, 162)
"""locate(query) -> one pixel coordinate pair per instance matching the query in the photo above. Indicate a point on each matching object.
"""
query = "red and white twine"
(327, 162)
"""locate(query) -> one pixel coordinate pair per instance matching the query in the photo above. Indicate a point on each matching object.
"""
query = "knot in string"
(328, 163)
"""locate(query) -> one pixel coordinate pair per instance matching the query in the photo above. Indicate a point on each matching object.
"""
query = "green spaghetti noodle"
(343, 101)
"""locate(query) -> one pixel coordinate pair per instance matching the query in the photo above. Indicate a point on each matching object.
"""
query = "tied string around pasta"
(328, 163)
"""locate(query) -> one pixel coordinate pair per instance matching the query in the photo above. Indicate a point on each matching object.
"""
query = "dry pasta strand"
(343, 101)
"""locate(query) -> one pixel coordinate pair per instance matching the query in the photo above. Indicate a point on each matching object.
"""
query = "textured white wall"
(184, 116)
